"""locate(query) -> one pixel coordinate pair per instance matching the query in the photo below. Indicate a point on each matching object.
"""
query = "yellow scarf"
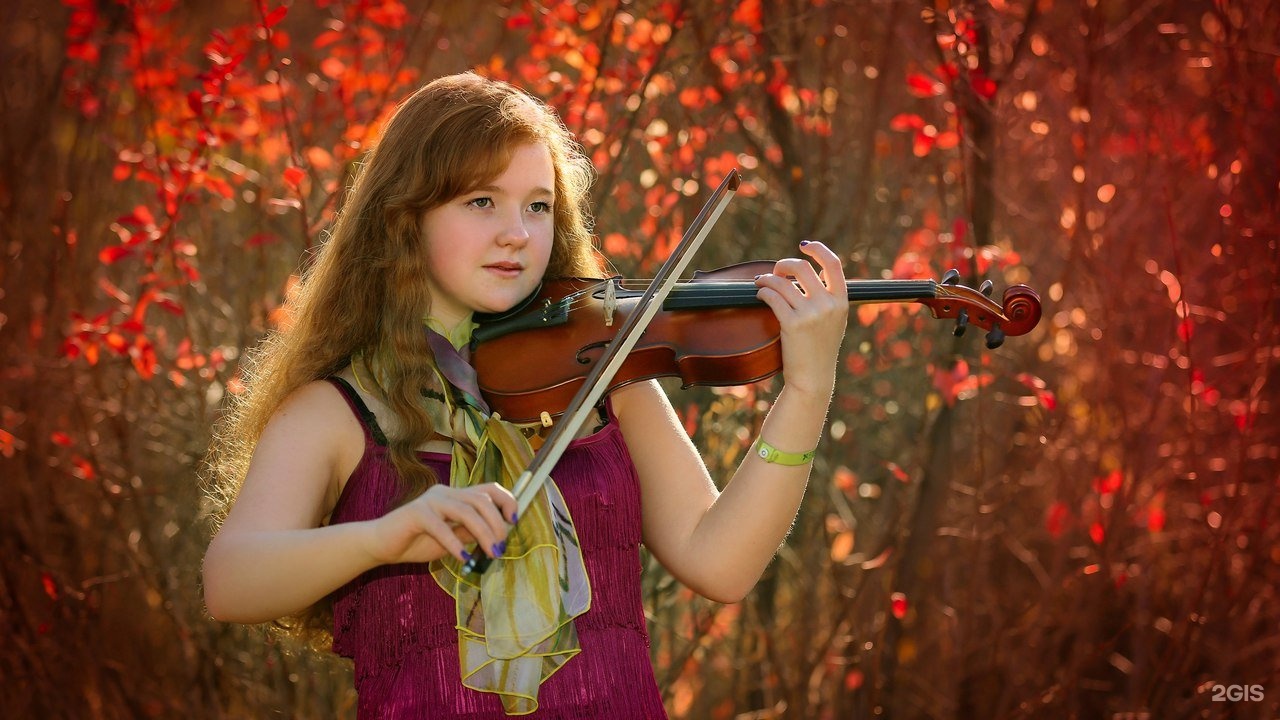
(515, 621)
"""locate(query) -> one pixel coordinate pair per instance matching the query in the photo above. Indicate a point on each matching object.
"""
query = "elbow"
(219, 601)
(727, 598)
(725, 591)
(215, 602)
(223, 609)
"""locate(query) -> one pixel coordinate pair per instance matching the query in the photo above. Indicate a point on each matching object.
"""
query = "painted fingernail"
(499, 548)
(759, 276)
(466, 556)
(515, 517)
(803, 243)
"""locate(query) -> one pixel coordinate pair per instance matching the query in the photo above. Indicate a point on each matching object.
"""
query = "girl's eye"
(541, 207)
(482, 202)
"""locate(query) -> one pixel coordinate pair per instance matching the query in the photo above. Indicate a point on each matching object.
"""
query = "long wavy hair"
(363, 295)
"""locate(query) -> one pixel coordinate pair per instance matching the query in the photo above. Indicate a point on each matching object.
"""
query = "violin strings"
(737, 290)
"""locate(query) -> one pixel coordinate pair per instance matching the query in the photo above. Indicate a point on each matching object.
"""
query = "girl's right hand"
(445, 517)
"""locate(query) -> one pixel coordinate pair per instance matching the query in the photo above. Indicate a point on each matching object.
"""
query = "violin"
(711, 330)
(560, 350)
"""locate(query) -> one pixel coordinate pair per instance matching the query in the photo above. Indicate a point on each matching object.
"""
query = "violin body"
(706, 346)
(713, 330)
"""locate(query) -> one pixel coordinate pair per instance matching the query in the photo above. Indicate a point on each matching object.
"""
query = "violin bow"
(582, 406)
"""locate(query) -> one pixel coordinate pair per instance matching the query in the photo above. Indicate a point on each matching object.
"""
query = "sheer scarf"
(515, 620)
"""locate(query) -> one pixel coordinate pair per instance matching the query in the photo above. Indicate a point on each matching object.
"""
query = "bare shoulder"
(643, 408)
(319, 410)
(306, 452)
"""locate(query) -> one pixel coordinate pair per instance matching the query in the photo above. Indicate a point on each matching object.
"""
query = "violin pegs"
(951, 277)
(995, 338)
(962, 322)
(986, 287)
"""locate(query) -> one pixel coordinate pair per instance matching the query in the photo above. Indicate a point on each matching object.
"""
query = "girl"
(360, 469)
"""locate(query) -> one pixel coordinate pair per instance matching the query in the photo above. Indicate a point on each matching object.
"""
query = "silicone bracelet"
(771, 454)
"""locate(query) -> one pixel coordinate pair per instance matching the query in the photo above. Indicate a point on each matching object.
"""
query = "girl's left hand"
(813, 316)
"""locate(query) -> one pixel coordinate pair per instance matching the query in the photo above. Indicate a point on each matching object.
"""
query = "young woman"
(359, 470)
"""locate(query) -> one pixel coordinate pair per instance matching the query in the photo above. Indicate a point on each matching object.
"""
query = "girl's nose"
(515, 233)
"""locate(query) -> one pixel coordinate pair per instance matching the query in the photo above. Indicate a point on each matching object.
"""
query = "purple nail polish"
(803, 243)
(466, 556)
(515, 517)
(497, 550)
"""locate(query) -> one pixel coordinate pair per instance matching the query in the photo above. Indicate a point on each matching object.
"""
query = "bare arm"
(272, 557)
(719, 543)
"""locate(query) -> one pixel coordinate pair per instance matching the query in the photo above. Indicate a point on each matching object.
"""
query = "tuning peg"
(951, 277)
(962, 322)
(995, 338)
(986, 287)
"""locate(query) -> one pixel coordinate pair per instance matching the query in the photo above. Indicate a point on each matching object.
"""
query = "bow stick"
(583, 403)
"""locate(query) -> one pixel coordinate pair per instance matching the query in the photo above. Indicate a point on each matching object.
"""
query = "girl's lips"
(505, 269)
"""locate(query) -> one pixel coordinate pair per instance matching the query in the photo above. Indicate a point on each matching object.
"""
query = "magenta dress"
(398, 625)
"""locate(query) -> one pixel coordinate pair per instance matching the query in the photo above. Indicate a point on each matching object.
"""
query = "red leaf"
(1155, 519)
(326, 39)
(949, 382)
(112, 253)
(923, 86)
(921, 144)
(947, 139)
(898, 604)
(116, 342)
(983, 86)
(50, 585)
(144, 358)
(906, 121)
(1185, 329)
(274, 17)
(333, 68)
(60, 438)
(898, 473)
(845, 479)
(83, 468)
(1047, 399)
(8, 443)
(1055, 518)
(293, 176)
(1108, 484)
(1097, 533)
(854, 679)
(519, 21)
(169, 303)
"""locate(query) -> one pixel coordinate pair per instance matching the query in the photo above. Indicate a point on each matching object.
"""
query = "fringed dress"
(397, 625)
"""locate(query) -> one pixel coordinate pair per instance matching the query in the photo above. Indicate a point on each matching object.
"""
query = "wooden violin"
(712, 330)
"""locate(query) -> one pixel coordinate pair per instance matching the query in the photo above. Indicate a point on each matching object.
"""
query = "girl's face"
(488, 249)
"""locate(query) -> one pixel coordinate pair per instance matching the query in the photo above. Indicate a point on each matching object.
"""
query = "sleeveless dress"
(397, 625)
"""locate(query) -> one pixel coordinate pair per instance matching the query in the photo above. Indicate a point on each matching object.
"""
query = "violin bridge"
(610, 301)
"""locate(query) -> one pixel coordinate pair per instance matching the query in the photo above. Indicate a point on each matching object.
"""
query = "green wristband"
(771, 454)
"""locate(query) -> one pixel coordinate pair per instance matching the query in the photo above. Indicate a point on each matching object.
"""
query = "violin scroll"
(1017, 314)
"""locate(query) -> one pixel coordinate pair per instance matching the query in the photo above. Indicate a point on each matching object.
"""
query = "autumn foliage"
(1081, 523)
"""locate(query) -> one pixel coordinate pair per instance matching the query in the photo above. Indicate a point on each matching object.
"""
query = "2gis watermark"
(1237, 693)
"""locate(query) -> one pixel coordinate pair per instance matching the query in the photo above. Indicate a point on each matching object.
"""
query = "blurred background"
(1079, 524)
